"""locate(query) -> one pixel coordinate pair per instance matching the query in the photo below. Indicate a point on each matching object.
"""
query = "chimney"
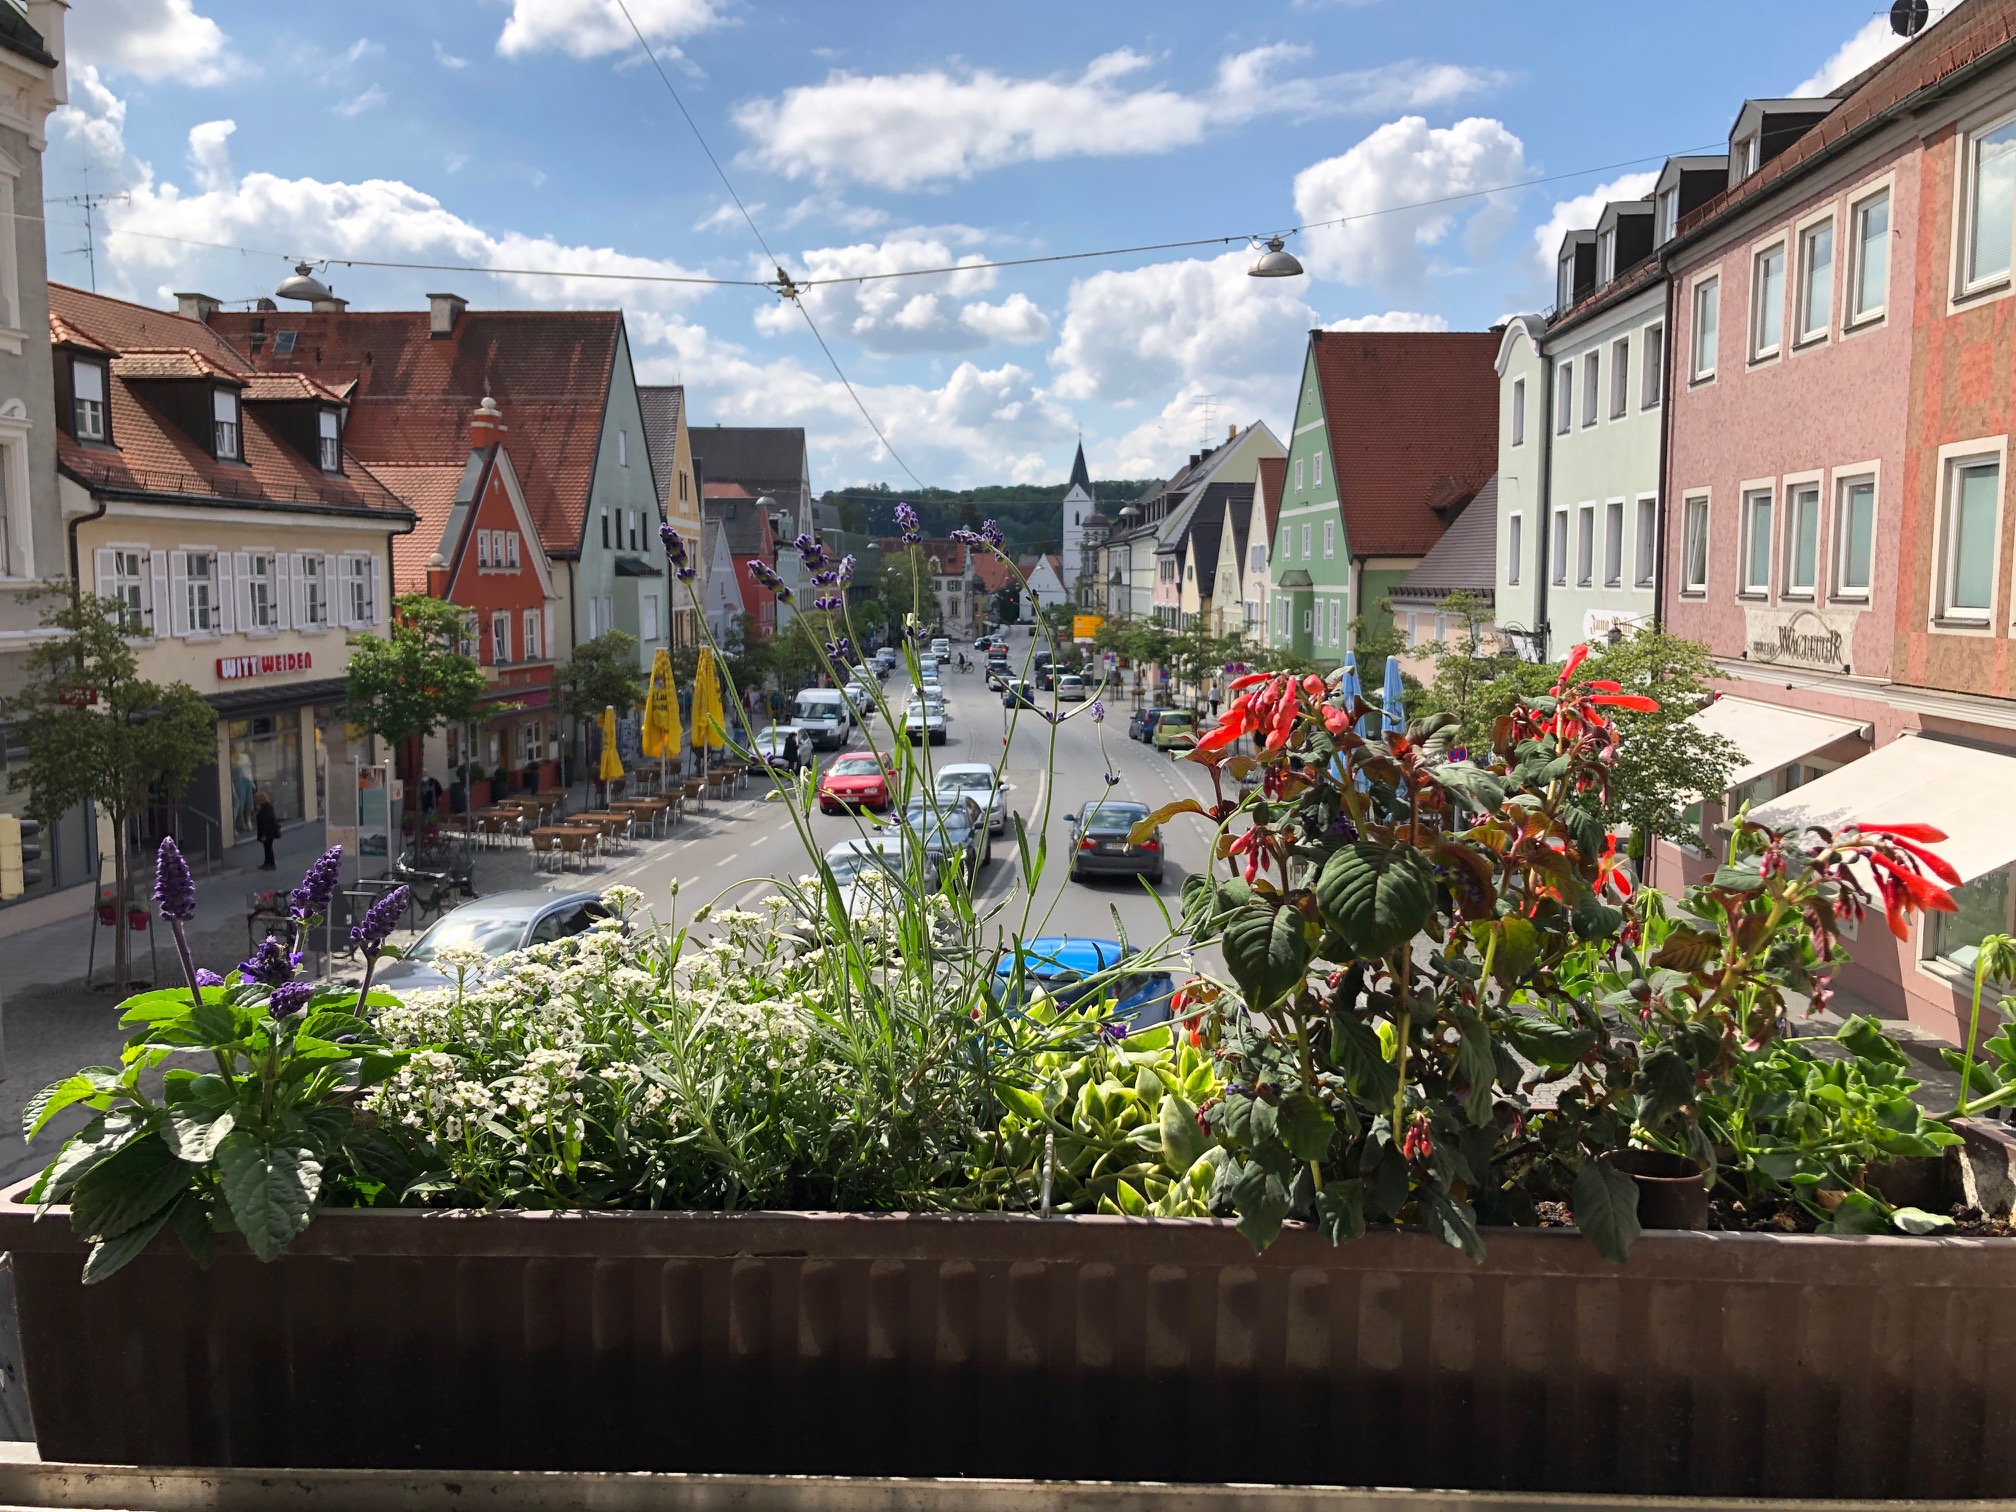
(486, 426)
(197, 306)
(330, 306)
(443, 310)
(1231, 433)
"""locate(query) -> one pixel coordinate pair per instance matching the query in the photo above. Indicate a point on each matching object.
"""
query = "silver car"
(981, 783)
(495, 925)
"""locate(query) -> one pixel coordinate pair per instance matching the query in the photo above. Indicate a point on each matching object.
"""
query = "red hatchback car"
(854, 781)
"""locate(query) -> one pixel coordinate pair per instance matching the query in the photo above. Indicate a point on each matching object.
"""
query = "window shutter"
(242, 576)
(104, 562)
(549, 633)
(178, 593)
(158, 600)
(299, 597)
(283, 590)
(377, 591)
(332, 609)
(223, 589)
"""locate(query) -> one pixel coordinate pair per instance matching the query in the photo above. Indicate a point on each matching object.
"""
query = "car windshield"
(966, 782)
(1179, 717)
(855, 766)
(492, 936)
(951, 817)
(1113, 818)
(774, 735)
(851, 866)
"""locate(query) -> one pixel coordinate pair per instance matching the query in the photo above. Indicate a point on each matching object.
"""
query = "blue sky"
(876, 137)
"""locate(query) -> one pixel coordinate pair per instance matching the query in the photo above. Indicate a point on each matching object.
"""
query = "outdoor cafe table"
(613, 826)
(650, 810)
(581, 834)
(494, 821)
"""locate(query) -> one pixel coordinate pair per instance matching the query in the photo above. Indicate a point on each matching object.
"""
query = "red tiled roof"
(67, 333)
(548, 370)
(280, 387)
(428, 489)
(152, 454)
(1273, 479)
(179, 363)
(992, 571)
(1964, 35)
(1413, 421)
(724, 491)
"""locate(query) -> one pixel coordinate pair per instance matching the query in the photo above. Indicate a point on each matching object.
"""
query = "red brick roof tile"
(178, 363)
(549, 371)
(1413, 422)
(428, 489)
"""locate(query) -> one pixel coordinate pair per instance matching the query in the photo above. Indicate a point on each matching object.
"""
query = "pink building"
(1809, 528)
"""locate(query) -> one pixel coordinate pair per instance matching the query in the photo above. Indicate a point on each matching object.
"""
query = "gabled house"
(768, 461)
(475, 543)
(720, 590)
(1042, 574)
(1201, 550)
(1463, 561)
(1256, 574)
(670, 441)
(750, 533)
(954, 590)
(220, 506)
(1395, 432)
(412, 378)
(1228, 610)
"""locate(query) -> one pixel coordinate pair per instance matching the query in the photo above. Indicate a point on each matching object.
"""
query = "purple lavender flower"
(766, 577)
(290, 998)
(270, 964)
(1112, 779)
(990, 535)
(840, 650)
(827, 601)
(675, 549)
(906, 522)
(174, 887)
(1098, 711)
(969, 538)
(687, 574)
(205, 977)
(810, 552)
(318, 885)
(380, 921)
(845, 571)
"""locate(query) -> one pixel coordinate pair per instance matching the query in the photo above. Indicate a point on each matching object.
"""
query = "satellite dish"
(1908, 17)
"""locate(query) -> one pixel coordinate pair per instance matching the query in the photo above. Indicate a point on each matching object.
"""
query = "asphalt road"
(732, 854)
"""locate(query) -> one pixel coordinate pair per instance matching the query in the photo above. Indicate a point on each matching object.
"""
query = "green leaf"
(109, 1255)
(1546, 1043)
(1664, 1084)
(1596, 920)
(53, 1099)
(1183, 1143)
(1917, 1221)
(192, 1132)
(1366, 1063)
(1450, 1220)
(161, 1005)
(129, 1187)
(1741, 879)
(1859, 1213)
(192, 1226)
(1266, 950)
(1262, 1201)
(215, 1024)
(1476, 1068)
(1340, 1210)
(1306, 1126)
(1132, 1203)
(1377, 897)
(271, 1189)
(1685, 950)
(1863, 1036)
(1518, 948)
(1606, 1209)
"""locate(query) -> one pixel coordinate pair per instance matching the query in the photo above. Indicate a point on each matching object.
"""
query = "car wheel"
(1155, 877)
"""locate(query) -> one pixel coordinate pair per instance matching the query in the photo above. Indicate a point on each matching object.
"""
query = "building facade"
(768, 461)
(670, 441)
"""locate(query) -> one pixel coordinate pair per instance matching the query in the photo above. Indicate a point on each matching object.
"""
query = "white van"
(822, 714)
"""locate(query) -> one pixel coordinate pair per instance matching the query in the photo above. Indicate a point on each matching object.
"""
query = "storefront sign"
(1798, 637)
(230, 667)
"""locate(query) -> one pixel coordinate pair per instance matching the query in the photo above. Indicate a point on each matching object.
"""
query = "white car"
(873, 869)
(982, 784)
(783, 746)
(1070, 689)
(924, 720)
(859, 699)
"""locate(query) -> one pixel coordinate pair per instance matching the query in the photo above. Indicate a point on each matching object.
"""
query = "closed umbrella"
(661, 735)
(1351, 690)
(709, 729)
(1393, 714)
(611, 769)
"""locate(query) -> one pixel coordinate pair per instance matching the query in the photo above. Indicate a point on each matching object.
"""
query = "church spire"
(1079, 477)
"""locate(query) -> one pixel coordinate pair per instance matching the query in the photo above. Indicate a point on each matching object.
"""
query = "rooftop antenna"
(90, 202)
(1209, 404)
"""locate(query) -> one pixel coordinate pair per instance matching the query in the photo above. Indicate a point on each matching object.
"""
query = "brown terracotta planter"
(479, 793)
(549, 776)
(1670, 1190)
(1090, 1348)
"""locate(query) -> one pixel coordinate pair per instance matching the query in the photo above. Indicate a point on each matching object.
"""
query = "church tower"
(1079, 507)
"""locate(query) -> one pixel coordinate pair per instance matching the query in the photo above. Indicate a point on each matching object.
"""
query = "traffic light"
(17, 849)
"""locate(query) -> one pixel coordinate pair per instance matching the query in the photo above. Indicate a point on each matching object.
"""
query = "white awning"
(1771, 736)
(1967, 792)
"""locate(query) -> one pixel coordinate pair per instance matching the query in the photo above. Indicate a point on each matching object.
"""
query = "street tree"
(97, 732)
(1008, 604)
(417, 678)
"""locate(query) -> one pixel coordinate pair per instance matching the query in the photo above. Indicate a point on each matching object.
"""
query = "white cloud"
(358, 51)
(1392, 320)
(356, 105)
(1582, 212)
(893, 315)
(96, 118)
(725, 216)
(210, 155)
(1407, 162)
(833, 211)
(900, 131)
(592, 28)
(156, 39)
(447, 59)
(1872, 43)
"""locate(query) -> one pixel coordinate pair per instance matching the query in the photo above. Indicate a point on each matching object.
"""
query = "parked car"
(981, 783)
(924, 720)
(952, 833)
(871, 870)
(495, 925)
(1070, 688)
(823, 714)
(857, 780)
(985, 643)
(888, 658)
(941, 650)
(1072, 970)
(1175, 730)
(1016, 693)
(782, 746)
(1102, 844)
(1141, 725)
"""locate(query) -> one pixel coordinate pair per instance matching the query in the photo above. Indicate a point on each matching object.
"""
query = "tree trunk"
(121, 973)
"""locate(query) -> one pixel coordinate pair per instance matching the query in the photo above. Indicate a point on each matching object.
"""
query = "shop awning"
(1917, 780)
(1771, 736)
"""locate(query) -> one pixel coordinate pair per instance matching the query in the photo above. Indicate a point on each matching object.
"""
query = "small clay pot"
(1671, 1193)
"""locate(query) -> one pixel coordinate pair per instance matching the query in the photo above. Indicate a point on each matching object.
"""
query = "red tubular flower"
(1905, 838)
(1419, 1143)
(1568, 668)
(1926, 832)
(1335, 720)
(1905, 892)
(1637, 702)
(1238, 684)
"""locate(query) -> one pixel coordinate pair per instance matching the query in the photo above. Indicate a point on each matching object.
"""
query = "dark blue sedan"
(1071, 969)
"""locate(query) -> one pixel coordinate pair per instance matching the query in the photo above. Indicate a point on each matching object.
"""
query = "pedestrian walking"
(266, 825)
(1215, 697)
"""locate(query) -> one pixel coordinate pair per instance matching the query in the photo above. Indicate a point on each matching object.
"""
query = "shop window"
(1981, 908)
(265, 758)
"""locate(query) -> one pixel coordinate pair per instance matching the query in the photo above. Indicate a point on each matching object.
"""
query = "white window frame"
(1613, 543)
(251, 585)
(1704, 295)
(1756, 491)
(1329, 538)
(98, 412)
(1805, 237)
(360, 600)
(1564, 282)
(622, 447)
(10, 255)
(1606, 257)
(1585, 544)
(1953, 459)
(530, 636)
(1761, 350)
(1668, 212)
(1645, 553)
(112, 581)
(500, 637)
(1592, 386)
(227, 436)
(1853, 317)
(1558, 544)
(1564, 396)
(211, 580)
(1652, 365)
(1790, 488)
(1696, 506)
(1518, 411)
(1943, 969)
(311, 591)
(1336, 622)
(329, 440)
(1305, 540)
(1298, 474)
(1620, 377)
(511, 550)
(1839, 589)
(1515, 546)
(1316, 469)
(482, 551)
(1966, 286)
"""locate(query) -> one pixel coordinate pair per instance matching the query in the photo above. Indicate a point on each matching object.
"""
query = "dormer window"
(87, 405)
(1669, 214)
(225, 429)
(1606, 257)
(329, 442)
(1564, 293)
(1744, 155)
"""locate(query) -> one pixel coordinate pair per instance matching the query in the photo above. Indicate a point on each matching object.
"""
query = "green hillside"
(1028, 514)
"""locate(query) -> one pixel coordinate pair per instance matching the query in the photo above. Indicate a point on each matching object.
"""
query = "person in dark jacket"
(266, 825)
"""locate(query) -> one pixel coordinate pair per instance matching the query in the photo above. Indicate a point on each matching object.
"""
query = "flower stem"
(196, 993)
(1973, 1031)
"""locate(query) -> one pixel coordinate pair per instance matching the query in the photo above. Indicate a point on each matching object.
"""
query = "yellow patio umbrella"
(710, 731)
(661, 734)
(611, 769)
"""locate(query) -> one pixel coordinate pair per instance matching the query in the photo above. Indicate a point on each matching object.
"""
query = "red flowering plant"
(1421, 934)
